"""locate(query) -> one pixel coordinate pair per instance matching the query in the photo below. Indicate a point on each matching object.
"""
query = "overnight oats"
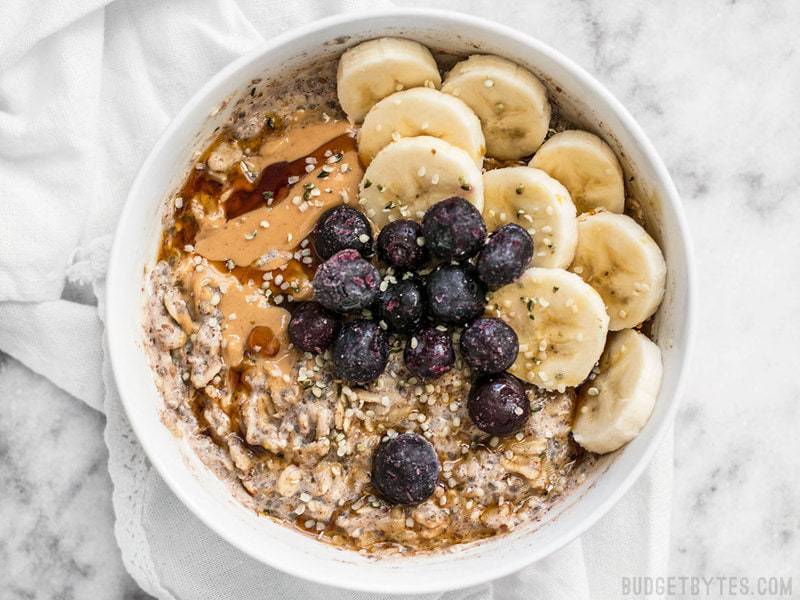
(399, 306)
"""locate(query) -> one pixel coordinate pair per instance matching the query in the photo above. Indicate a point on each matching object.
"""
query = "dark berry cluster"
(422, 301)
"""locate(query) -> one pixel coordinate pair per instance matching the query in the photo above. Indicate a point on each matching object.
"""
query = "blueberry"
(489, 345)
(360, 352)
(405, 469)
(312, 328)
(453, 229)
(454, 294)
(429, 353)
(402, 306)
(497, 404)
(398, 245)
(346, 282)
(340, 228)
(505, 256)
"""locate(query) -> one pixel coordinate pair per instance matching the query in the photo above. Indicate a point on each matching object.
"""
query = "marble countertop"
(715, 85)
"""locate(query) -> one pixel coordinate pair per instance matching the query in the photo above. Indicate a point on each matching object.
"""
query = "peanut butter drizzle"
(244, 310)
(297, 274)
(252, 315)
(266, 236)
(305, 132)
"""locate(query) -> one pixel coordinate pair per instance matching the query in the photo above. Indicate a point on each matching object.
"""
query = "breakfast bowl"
(582, 101)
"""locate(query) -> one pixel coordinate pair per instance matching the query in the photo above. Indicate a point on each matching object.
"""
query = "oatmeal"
(386, 338)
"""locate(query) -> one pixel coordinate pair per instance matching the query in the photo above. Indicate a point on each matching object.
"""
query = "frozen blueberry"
(339, 228)
(405, 469)
(497, 404)
(453, 229)
(312, 328)
(489, 345)
(402, 305)
(346, 282)
(399, 245)
(505, 256)
(429, 353)
(360, 352)
(454, 294)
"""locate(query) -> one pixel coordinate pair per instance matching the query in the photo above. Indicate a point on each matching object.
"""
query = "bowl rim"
(662, 180)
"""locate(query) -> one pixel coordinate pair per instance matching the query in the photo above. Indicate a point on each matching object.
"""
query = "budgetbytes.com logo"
(707, 587)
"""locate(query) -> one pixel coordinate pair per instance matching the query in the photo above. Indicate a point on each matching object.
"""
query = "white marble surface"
(716, 86)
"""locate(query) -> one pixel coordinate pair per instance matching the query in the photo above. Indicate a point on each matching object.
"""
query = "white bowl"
(137, 237)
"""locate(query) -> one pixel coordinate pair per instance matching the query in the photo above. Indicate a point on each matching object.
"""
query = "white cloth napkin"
(86, 86)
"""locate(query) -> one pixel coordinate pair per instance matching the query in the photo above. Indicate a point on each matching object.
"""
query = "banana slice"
(421, 111)
(613, 408)
(533, 200)
(510, 102)
(411, 174)
(618, 258)
(587, 167)
(372, 70)
(561, 324)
